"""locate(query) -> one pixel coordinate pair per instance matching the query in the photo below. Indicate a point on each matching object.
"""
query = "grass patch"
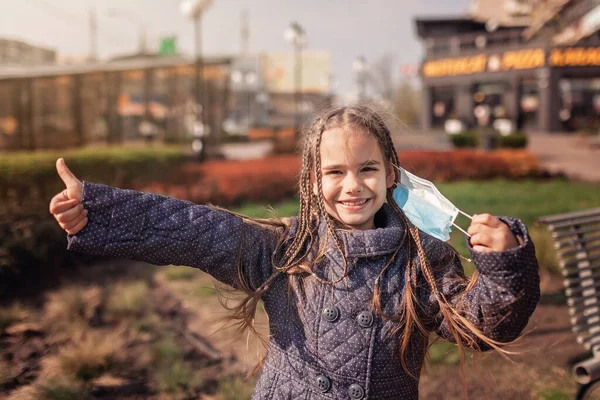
(235, 388)
(553, 394)
(284, 209)
(171, 374)
(204, 291)
(72, 307)
(88, 356)
(527, 200)
(147, 323)
(127, 299)
(176, 272)
(444, 353)
(61, 390)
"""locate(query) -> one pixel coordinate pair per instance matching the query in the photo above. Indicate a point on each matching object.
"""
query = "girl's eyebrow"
(361, 164)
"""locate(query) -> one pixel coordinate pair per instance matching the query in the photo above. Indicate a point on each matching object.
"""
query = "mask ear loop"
(463, 231)
(458, 227)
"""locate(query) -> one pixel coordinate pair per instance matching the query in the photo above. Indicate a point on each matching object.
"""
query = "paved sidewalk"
(572, 155)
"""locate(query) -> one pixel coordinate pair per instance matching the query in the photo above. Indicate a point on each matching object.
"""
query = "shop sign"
(455, 66)
(523, 59)
(509, 60)
(575, 57)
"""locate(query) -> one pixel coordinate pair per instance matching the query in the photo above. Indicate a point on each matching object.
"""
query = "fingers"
(489, 233)
(71, 214)
(77, 227)
(482, 240)
(475, 228)
(66, 175)
(482, 249)
(486, 219)
(60, 203)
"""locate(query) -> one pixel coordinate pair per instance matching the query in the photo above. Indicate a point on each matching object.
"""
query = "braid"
(322, 211)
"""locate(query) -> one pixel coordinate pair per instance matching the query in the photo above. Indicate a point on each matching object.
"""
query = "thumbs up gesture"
(66, 206)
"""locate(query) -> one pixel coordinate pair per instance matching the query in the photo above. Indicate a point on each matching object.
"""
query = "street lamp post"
(245, 80)
(193, 9)
(296, 35)
(361, 68)
(135, 20)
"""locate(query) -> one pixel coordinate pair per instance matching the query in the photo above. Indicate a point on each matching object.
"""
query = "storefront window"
(580, 104)
(442, 105)
(490, 96)
(528, 104)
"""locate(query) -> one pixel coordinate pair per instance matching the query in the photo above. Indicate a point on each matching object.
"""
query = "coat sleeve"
(161, 230)
(504, 295)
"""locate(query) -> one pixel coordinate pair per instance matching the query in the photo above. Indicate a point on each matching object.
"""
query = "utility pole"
(245, 33)
(93, 34)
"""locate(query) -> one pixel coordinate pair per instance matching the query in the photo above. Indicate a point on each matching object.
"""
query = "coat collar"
(384, 239)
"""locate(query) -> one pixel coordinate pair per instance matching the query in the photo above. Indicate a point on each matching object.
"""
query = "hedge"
(473, 139)
(31, 177)
(275, 178)
(32, 246)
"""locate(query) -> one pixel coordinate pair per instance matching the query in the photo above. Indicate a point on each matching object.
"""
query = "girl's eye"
(368, 169)
(333, 172)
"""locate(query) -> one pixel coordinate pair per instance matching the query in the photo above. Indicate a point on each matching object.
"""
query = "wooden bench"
(577, 241)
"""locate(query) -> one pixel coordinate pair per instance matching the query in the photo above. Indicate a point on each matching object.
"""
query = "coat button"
(322, 383)
(356, 392)
(331, 313)
(365, 319)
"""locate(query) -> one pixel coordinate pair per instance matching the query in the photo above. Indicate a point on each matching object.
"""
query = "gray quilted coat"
(325, 341)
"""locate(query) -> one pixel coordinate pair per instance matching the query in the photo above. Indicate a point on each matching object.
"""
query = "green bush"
(465, 140)
(514, 141)
(32, 246)
(32, 176)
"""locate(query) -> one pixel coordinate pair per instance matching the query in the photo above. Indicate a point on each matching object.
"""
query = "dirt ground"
(540, 370)
(188, 307)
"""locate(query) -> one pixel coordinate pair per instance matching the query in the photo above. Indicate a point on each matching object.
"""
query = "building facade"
(534, 63)
(17, 52)
(60, 106)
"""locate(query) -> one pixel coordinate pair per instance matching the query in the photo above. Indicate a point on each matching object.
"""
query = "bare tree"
(381, 77)
(407, 102)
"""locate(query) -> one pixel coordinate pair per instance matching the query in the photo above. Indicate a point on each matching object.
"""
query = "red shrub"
(275, 178)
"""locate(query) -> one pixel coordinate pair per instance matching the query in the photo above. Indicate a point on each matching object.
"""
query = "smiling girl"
(351, 287)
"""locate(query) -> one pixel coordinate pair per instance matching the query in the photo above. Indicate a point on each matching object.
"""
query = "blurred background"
(496, 101)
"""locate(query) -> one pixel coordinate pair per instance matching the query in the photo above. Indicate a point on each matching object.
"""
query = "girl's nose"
(352, 184)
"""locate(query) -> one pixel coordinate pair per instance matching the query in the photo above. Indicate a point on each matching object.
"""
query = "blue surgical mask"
(425, 206)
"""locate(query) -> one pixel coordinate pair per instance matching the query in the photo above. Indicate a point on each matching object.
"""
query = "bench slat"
(571, 263)
(583, 241)
(575, 222)
(573, 252)
(563, 234)
(561, 217)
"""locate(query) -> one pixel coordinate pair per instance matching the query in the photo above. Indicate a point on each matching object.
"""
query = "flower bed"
(275, 178)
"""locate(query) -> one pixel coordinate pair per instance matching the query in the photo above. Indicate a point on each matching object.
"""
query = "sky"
(344, 28)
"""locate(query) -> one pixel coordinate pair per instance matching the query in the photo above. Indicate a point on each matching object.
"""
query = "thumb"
(74, 186)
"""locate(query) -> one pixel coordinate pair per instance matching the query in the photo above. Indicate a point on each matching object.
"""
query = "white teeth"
(354, 203)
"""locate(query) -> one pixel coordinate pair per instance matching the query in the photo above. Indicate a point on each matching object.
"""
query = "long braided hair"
(294, 255)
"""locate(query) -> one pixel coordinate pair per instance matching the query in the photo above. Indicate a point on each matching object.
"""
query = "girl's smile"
(354, 176)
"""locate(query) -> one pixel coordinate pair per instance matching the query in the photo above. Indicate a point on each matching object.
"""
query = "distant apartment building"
(535, 63)
(18, 52)
(277, 90)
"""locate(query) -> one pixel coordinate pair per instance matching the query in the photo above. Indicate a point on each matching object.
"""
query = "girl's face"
(355, 177)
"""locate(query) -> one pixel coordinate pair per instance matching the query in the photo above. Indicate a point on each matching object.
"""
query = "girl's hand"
(489, 234)
(66, 206)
